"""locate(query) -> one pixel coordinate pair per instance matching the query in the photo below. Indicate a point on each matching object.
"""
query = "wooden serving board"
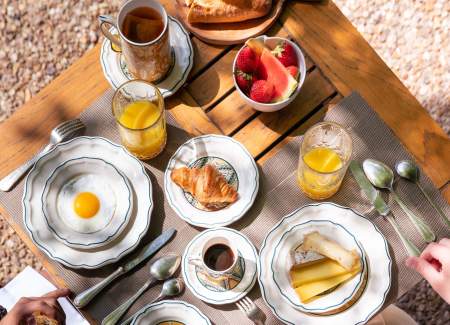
(229, 33)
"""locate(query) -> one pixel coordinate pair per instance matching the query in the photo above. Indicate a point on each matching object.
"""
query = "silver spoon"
(409, 170)
(161, 269)
(171, 288)
(381, 176)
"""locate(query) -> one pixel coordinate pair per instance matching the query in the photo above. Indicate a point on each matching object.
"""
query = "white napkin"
(30, 283)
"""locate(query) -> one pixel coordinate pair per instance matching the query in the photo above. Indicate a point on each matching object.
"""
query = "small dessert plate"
(221, 290)
(232, 160)
(116, 71)
(367, 236)
(93, 175)
(291, 239)
(170, 312)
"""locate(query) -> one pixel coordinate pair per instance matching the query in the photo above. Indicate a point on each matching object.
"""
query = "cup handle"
(108, 20)
(197, 262)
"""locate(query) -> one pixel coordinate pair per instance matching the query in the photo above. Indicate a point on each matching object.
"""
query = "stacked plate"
(87, 202)
(353, 302)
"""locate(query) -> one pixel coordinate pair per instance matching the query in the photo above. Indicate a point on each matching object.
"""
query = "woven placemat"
(278, 196)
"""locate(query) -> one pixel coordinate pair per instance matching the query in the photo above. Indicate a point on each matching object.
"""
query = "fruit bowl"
(270, 100)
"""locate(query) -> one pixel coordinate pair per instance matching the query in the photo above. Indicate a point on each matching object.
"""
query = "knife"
(380, 205)
(83, 298)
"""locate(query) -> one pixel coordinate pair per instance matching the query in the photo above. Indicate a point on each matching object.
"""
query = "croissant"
(206, 184)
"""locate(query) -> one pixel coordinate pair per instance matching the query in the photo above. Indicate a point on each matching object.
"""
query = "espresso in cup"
(218, 257)
(143, 27)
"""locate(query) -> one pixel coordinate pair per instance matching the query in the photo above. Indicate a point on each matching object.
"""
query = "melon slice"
(277, 74)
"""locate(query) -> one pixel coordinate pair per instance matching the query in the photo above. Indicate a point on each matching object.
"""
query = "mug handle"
(108, 20)
(197, 262)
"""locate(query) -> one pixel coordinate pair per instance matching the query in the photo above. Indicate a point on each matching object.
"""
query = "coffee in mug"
(143, 38)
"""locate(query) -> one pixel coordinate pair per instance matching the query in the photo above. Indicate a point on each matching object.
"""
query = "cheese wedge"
(308, 291)
(317, 271)
(316, 242)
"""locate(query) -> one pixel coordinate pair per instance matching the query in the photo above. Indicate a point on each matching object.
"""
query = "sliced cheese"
(310, 290)
(316, 242)
(316, 271)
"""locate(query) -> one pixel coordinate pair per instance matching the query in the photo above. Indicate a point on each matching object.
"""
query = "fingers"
(424, 268)
(445, 242)
(57, 293)
(435, 251)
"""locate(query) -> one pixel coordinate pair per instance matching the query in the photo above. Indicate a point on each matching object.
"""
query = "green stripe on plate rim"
(220, 301)
(168, 92)
(362, 259)
(261, 285)
(217, 224)
(81, 244)
(111, 260)
(144, 309)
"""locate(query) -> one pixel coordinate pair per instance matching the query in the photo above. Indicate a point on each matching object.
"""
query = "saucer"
(170, 312)
(93, 175)
(281, 263)
(126, 242)
(232, 160)
(116, 71)
(373, 244)
(220, 291)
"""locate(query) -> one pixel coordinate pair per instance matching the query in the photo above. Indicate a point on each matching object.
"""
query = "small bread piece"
(316, 242)
(42, 319)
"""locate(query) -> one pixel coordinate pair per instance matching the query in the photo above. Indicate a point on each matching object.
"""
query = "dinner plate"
(373, 244)
(221, 291)
(91, 147)
(170, 312)
(116, 71)
(232, 160)
(281, 263)
(92, 175)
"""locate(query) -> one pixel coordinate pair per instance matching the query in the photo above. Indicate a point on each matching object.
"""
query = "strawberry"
(247, 60)
(285, 53)
(244, 80)
(262, 91)
(260, 73)
(293, 70)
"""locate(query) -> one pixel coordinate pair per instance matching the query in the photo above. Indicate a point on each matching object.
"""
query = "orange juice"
(316, 173)
(145, 130)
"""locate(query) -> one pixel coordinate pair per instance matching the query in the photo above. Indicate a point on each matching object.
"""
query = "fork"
(253, 312)
(63, 132)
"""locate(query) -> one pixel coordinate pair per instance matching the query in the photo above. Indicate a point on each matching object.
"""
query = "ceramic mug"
(200, 262)
(149, 61)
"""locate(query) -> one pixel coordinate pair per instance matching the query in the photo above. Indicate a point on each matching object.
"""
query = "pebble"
(39, 39)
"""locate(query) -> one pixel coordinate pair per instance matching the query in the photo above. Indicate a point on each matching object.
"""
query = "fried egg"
(86, 204)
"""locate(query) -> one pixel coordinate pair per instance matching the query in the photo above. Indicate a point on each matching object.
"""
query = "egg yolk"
(86, 205)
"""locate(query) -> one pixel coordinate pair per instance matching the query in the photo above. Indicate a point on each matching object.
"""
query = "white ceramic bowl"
(271, 42)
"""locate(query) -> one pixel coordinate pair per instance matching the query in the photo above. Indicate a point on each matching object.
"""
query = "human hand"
(434, 265)
(22, 312)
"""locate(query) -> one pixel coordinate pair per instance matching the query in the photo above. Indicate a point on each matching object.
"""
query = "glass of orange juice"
(325, 154)
(138, 107)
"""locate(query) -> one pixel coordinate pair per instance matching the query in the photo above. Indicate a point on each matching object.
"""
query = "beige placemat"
(278, 196)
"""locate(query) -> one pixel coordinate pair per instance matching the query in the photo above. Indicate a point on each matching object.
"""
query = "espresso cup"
(149, 61)
(222, 259)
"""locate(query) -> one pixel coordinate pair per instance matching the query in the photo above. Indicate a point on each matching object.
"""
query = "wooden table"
(339, 61)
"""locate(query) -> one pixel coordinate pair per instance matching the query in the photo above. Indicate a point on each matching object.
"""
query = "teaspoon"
(171, 288)
(408, 170)
(381, 176)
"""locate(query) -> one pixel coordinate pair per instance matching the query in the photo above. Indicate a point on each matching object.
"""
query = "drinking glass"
(143, 142)
(332, 139)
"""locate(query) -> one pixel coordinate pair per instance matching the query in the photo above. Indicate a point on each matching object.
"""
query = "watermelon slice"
(277, 74)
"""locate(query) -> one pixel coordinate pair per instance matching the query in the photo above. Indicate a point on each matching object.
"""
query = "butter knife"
(380, 205)
(83, 298)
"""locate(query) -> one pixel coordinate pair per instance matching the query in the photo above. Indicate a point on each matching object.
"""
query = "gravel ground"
(413, 37)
